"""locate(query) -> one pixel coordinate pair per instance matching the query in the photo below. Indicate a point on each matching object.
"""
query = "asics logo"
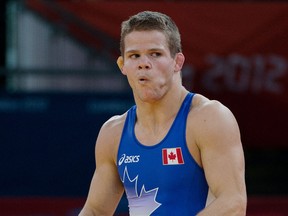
(128, 159)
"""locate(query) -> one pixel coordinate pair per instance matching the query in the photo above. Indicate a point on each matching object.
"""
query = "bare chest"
(151, 136)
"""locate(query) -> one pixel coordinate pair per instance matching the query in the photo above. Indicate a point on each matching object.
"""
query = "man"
(174, 152)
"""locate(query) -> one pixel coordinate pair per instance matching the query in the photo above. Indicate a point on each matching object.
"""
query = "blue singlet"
(162, 179)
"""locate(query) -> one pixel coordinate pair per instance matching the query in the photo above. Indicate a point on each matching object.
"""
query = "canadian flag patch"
(172, 156)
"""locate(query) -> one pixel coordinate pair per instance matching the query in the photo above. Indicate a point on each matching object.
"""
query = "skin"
(212, 135)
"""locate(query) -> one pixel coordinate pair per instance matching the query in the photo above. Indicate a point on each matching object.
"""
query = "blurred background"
(59, 82)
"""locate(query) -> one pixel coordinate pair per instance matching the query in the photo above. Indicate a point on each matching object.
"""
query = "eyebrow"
(130, 51)
(149, 50)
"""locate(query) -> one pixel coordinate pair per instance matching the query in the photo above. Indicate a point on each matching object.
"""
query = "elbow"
(240, 205)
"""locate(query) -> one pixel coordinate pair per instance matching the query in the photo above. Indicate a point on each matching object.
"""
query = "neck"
(162, 110)
(154, 120)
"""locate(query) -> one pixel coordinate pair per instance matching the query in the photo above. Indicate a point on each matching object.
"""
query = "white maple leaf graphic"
(139, 204)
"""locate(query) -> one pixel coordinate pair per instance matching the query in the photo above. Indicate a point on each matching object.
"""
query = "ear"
(179, 59)
(120, 62)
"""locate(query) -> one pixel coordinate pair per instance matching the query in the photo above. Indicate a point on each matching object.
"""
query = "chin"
(149, 98)
(150, 94)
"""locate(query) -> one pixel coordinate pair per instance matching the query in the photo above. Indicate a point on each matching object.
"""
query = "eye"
(156, 54)
(134, 56)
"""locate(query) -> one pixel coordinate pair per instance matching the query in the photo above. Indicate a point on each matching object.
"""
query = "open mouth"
(142, 79)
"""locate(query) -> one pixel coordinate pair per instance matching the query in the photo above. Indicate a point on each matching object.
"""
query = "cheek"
(127, 67)
(128, 75)
(167, 72)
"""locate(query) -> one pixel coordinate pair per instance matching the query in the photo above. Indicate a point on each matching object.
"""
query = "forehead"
(138, 40)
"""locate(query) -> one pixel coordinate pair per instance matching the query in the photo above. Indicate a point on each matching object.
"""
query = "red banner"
(236, 53)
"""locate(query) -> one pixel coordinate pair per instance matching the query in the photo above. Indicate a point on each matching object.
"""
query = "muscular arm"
(106, 188)
(222, 159)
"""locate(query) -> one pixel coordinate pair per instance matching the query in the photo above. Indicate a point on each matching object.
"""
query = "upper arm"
(106, 188)
(221, 151)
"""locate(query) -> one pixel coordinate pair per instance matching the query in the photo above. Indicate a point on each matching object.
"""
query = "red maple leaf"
(172, 156)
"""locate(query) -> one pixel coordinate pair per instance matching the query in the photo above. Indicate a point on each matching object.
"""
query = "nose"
(144, 63)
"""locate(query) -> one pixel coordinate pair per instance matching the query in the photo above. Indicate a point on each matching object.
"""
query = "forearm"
(232, 206)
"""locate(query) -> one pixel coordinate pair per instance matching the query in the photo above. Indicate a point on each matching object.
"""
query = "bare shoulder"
(204, 106)
(109, 137)
(210, 119)
(115, 123)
